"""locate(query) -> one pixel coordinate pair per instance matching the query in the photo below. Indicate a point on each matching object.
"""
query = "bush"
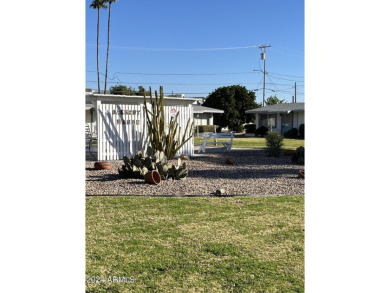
(261, 131)
(250, 128)
(302, 130)
(206, 128)
(274, 142)
(299, 156)
(219, 129)
(292, 133)
(238, 128)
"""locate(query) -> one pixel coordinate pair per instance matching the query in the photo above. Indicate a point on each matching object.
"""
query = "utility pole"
(295, 92)
(263, 57)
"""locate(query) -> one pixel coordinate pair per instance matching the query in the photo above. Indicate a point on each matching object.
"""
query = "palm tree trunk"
(97, 51)
(108, 46)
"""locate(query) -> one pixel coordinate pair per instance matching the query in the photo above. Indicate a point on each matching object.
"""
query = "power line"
(222, 73)
(177, 49)
(161, 83)
(279, 90)
(195, 74)
(178, 74)
(278, 77)
(286, 75)
(284, 91)
(284, 78)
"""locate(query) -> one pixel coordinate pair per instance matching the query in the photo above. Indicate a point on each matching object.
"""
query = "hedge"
(206, 128)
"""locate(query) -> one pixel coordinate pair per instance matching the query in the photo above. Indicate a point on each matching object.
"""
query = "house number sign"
(126, 121)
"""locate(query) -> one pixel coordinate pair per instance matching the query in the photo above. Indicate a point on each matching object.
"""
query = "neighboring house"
(280, 117)
(204, 115)
(90, 117)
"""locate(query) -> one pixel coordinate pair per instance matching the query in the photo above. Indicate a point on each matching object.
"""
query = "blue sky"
(194, 39)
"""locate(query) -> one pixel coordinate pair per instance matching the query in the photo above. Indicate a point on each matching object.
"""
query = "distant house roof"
(278, 108)
(201, 109)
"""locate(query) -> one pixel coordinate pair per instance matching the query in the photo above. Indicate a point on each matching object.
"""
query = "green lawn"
(250, 142)
(259, 142)
(231, 244)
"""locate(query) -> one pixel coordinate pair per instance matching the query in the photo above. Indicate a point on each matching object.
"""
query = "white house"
(120, 123)
(204, 115)
(280, 117)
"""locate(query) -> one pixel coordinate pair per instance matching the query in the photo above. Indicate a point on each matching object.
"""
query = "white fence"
(122, 129)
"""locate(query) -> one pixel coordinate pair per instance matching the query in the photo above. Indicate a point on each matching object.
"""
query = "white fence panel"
(185, 113)
(122, 128)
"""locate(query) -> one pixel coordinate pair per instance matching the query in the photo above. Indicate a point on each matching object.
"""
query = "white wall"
(204, 119)
(300, 119)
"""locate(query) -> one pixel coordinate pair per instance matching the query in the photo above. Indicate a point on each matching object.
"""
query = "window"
(268, 120)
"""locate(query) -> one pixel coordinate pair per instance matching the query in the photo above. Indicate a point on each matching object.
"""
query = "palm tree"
(97, 4)
(108, 40)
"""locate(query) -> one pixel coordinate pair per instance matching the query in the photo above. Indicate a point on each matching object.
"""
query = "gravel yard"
(253, 173)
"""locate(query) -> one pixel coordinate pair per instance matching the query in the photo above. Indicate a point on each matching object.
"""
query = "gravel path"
(253, 173)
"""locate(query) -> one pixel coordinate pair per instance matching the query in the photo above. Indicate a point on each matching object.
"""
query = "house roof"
(169, 101)
(279, 108)
(202, 109)
(197, 109)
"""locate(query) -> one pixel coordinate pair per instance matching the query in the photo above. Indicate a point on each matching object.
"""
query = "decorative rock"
(184, 157)
(102, 165)
(230, 161)
(220, 191)
(288, 152)
(257, 174)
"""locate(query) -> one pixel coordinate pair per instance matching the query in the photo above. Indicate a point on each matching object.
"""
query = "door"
(287, 122)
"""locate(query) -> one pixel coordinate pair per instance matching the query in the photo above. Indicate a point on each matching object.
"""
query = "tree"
(273, 100)
(234, 100)
(97, 4)
(108, 40)
(120, 90)
(141, 91)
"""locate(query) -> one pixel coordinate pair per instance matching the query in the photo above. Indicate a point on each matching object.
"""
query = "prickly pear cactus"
(144, 162)
(299, 156)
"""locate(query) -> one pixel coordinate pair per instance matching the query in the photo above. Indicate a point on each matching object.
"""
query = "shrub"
(261, 131)
(238, 128)
(302, 130)
(219, 129)
(206, 128)
(250, 128)
(299, 156)
(274, 142)
(292, 133)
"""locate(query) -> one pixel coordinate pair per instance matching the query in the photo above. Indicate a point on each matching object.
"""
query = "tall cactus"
(169, 142)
